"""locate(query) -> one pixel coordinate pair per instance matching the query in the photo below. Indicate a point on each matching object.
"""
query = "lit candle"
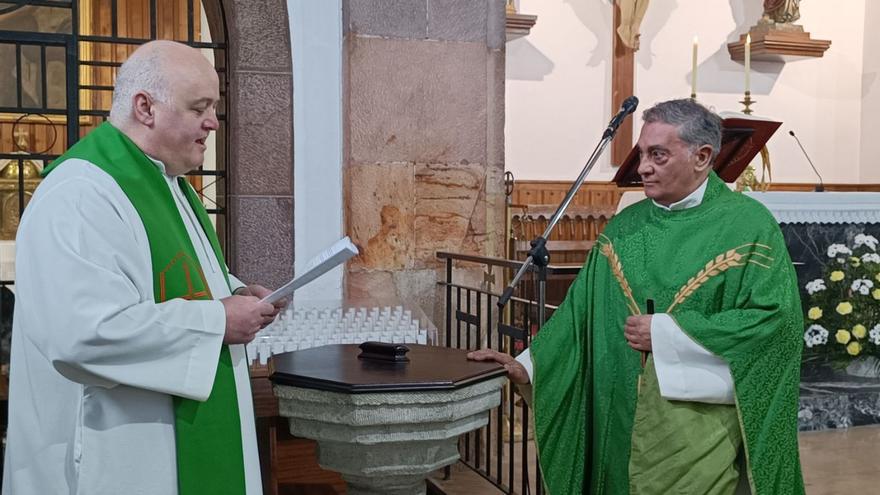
(694, 71)
(748, 61)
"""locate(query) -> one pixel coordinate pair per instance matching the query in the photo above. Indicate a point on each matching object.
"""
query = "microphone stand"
(538, 255)
(820, 187)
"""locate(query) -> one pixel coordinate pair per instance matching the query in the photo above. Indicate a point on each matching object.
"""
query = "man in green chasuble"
(714, 408)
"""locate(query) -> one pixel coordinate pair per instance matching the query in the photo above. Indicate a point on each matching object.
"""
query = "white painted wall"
(870, 130)
(558, 86)
(316, 32)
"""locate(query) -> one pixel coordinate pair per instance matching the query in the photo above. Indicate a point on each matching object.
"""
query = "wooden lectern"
(742, 139)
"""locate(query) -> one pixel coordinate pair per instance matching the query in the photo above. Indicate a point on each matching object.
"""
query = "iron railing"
(500, 452)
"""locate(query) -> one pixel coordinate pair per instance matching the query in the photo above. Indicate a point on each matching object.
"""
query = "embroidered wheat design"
(607, 249)
(721, 263)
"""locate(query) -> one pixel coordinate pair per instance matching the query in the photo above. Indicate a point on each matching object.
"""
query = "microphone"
(627, 107)
(821, 185)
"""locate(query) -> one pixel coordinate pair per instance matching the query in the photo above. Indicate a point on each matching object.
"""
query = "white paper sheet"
(338, 253)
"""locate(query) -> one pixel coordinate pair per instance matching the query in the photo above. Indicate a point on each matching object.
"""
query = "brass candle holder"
(747, 102)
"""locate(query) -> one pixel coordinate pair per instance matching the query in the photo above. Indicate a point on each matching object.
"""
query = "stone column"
(259, 99)
(424, 140)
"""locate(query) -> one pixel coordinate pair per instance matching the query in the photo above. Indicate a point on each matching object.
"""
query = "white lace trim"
(823, 207)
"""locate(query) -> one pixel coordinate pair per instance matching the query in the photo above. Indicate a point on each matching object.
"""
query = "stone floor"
(835, 462)
(841, 461)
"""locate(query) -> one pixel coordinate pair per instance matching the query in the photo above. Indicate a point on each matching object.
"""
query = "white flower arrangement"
(846, 300)
(836, 250)
(871, 258)
(865, 240)
(874, 334)
(815, 286)
(818, 335)
(863, 286)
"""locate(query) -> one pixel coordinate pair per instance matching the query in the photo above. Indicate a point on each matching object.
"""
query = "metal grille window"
(58, 63)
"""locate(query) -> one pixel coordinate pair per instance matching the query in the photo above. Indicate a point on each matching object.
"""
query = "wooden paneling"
(605, 194)
(542, 192)
(265, 403)
(535, 202)
(570, 240)
(37, 134)
(133, 21)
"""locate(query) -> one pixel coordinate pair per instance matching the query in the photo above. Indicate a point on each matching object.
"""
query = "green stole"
(722, 271)
(207, 434)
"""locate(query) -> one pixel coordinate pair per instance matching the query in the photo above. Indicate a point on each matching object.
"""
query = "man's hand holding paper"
(246, 314)
(262, 293)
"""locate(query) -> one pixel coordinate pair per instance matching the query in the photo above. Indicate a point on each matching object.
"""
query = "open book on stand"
(742, 137)
(338, 253)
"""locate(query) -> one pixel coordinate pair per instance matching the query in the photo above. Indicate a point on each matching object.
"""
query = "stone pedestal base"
(387, 443)
(388, 485)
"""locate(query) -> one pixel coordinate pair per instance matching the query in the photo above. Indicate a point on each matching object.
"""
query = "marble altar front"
(811, 222)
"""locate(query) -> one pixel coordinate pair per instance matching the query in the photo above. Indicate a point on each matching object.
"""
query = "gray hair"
(143, 71)
(697, 125)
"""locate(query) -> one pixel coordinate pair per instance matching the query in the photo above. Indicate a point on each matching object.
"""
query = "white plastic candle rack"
(297, 329)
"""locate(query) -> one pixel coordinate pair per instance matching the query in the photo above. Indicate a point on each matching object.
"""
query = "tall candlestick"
(748, 61)
(694, 71)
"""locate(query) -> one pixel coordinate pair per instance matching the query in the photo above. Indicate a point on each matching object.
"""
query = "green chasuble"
(207, 434)
(723, 273)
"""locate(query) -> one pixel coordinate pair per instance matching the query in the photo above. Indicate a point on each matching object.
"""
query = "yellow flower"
(859, 331)
(837, 276)
(877, 276)
(842, 336)
(844, 308)
(876, 294)
(854, 348)
(855, 261)
(816, 312)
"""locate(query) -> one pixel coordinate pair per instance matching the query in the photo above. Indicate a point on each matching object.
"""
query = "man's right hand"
(245, 316)
(516, 372)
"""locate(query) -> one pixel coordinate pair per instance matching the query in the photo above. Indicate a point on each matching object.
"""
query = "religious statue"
(781, 11)
(748, 180)
(777, 38)
(631, 14)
